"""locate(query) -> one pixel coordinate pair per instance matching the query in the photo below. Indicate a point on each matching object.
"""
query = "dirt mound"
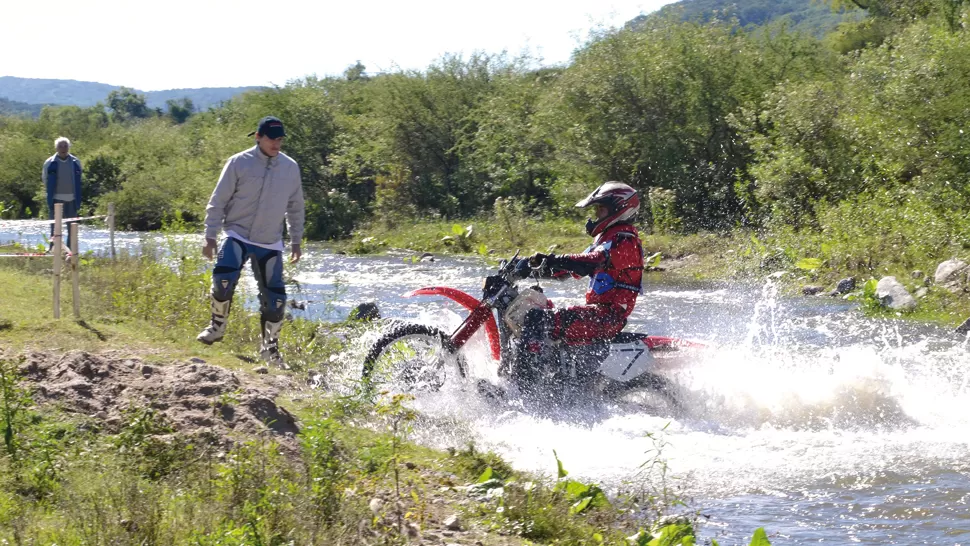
(197, 398)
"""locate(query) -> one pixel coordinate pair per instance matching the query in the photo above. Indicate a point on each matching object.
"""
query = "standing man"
(62, 179)
(257, 189)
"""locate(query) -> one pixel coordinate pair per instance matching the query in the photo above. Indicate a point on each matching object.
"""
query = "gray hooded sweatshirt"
(253, 195)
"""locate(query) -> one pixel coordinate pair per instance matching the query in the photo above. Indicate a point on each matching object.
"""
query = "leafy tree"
(180, 109)
(126, 105)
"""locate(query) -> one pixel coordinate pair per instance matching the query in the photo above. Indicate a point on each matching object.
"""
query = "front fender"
(468, 302)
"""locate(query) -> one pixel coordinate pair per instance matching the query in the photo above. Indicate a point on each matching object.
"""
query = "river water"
(802, 417)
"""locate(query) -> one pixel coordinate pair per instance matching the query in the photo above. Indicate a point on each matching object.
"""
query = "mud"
(196, 398)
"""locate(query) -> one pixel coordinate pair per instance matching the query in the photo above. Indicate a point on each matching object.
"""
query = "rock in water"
(366, 311)
(846, 285)
(811, 290)
(964, 328)
(894, 295)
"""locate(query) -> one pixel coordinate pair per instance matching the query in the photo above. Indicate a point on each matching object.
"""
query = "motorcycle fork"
(471, 324)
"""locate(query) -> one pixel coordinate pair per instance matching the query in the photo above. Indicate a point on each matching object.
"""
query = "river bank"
(787, 376)
(120, 428)
(801, 263)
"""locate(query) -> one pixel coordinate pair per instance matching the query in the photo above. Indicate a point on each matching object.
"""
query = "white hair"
(62, 139)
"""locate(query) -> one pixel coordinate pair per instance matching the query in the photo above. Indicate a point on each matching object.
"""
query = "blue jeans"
(70, 211)
(267, 268)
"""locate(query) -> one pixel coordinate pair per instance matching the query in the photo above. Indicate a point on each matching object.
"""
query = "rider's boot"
(217, 325)
(532, 348)
(528, 370)
(269, 349)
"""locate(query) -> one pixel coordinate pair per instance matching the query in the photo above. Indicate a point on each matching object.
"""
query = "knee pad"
(273, 305)
(537, 324)
(226, 273)
(224, 281)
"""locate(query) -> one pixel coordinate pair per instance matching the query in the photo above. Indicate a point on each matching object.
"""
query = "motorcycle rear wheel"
(413, 357)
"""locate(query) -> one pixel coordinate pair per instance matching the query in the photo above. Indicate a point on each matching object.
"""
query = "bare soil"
(196, 398)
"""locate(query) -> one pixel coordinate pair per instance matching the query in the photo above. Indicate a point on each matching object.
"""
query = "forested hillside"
(77, 93)
(812, 16)
(14, 108)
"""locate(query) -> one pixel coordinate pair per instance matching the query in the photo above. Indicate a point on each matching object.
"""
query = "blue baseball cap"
(271, 127)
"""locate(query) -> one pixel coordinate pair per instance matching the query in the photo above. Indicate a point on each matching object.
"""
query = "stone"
(846, 285)
(376, 505)
(452, 523)
(950, 271)
(922, 292)
(196, 360)
(366, 311)
(300, 305)
(262, 370)
(963, 328)
(892, 294)
(917, 274)
(811, 290)
(427, 257)
(146, 371)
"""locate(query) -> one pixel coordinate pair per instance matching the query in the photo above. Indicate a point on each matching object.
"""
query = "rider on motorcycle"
(614, 264)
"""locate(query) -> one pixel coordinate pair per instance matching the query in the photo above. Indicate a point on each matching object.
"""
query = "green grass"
(66, 480)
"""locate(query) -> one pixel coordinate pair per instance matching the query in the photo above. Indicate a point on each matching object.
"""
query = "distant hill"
(810, 16)
(14, 108)
(36, 91)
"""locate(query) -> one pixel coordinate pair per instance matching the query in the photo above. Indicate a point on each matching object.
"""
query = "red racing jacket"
(614, 264)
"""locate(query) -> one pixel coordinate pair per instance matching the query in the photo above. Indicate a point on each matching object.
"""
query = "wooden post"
(111, 228)
(75, 273)
(58, 248)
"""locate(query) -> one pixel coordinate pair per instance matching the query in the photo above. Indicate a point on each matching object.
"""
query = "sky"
(152, 45)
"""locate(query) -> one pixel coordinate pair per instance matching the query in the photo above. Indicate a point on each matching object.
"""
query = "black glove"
(544, 261)
(522, 269)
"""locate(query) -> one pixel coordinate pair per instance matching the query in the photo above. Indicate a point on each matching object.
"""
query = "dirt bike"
(422, 357)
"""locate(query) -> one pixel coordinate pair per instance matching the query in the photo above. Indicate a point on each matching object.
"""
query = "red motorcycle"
(423, 357)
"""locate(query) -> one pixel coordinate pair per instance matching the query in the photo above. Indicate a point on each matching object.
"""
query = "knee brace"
(537, 325)
(272, 290)
(272, 305)
(226, 273)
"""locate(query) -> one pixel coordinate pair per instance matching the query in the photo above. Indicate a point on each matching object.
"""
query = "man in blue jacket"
(62, 179)
(258, 189)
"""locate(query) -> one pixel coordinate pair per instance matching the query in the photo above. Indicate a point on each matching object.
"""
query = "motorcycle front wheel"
(413, 357)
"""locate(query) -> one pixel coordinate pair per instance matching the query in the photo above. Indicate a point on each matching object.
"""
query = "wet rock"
(811, 290)
(365, 311)
(452, 523)
(299, 305)
(963, 328)
(845, 286)
(894, 295)
(950, 274)
(262, 370)
(427, 257)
